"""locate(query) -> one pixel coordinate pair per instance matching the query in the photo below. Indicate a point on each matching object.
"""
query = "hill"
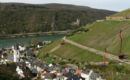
(28, 18)
(99, 35)
(125, 13)
(105, 34)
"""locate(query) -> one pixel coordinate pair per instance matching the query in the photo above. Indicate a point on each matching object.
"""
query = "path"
(54, 49)
(108, 55)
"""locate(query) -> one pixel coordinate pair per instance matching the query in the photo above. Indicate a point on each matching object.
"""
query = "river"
(8, 42)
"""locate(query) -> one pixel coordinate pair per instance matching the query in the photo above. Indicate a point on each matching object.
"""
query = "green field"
(105, 34)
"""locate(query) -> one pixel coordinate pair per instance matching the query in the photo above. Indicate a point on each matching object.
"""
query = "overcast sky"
(116, 5)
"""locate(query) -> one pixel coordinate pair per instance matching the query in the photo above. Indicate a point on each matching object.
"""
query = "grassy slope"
(69, 51)
(106, 35)
(124, 13)
(47, 48)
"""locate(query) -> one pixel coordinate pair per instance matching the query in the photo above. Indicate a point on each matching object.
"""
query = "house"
(4, 55)
(2, 51)
(10, 58)
(46, 42)
(4, 58)
(40, 44)
(20, 72)
(35, 65)
(91, 76)
(21, 47)
(29, 52)
(4, 61)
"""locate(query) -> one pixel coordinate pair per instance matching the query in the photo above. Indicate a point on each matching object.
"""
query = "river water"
(8, 42)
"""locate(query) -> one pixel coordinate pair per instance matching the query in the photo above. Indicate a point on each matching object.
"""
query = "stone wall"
(99, 20)
(116, 18)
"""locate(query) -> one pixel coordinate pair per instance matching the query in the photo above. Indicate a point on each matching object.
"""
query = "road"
(108, 55)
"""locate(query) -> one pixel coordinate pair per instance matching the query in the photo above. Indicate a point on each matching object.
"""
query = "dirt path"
(54, 49)
(108, 55)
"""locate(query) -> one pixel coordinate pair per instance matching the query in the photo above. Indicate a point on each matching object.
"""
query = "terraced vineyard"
(106, 35)
(68, 51)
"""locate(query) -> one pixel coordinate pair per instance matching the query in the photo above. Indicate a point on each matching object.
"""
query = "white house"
(4, 61)
(88, 76)
(20, 72)
(28, 64)
(21, 48)
(46, 42)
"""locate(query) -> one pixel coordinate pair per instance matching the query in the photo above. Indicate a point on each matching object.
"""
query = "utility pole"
(105, 56)
(121, 55)
(120, 42)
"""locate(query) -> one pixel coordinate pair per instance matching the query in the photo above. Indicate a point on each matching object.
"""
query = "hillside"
(68, 51)
(99, 35)
(28, 18)
(105, 34)
(125, 13)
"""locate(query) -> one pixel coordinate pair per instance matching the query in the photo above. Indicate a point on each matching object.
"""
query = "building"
(18, 51)
(77, 22)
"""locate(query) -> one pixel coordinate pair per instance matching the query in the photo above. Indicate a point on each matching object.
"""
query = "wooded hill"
(27, 18)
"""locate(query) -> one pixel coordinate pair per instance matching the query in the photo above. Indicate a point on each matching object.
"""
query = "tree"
(34, 41)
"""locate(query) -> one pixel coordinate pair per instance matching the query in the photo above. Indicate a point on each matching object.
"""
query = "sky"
(115, 5)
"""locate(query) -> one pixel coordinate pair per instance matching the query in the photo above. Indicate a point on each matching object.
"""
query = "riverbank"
(6, 42)
(35, 34)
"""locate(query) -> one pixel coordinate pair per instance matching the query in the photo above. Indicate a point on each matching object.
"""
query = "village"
(25, 59)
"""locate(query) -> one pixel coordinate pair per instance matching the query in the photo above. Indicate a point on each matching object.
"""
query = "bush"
(62, 63)
(78, 30)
